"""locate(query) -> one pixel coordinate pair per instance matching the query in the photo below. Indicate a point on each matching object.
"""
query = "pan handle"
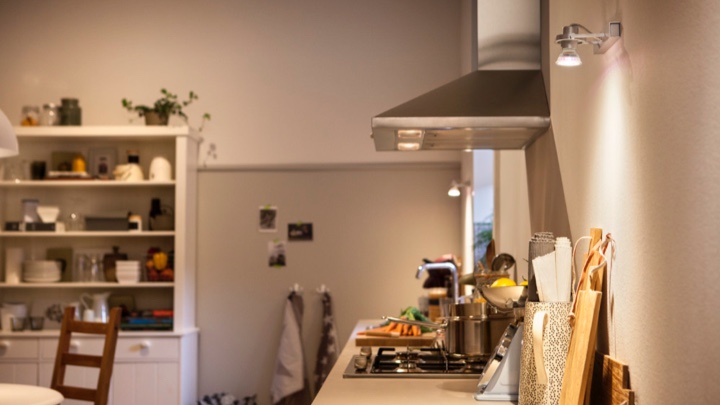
(432, 325)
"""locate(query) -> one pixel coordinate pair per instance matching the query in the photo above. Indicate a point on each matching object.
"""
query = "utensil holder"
(546, 340)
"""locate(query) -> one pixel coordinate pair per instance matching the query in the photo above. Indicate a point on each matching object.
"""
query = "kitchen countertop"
(379, 391)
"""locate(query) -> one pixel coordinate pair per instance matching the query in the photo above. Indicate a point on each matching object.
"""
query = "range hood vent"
(485, 109)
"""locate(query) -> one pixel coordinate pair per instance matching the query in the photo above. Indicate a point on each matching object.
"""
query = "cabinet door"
(19, 373)
(145, 383)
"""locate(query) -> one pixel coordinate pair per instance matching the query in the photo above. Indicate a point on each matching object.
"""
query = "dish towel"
(328, 350)
(290, 385)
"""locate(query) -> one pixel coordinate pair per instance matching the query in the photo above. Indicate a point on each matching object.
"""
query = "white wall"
(637, 142)
(512, 213)
(285, 81)
(372, 228)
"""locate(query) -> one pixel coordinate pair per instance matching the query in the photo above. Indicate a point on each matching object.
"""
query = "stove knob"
(361, 362)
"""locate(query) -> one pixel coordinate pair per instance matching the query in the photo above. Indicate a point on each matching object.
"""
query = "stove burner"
(422, 361)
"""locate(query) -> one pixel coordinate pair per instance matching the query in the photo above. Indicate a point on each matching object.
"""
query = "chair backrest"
(99, 395)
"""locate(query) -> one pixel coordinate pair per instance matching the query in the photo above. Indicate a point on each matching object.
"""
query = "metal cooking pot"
(472, 336)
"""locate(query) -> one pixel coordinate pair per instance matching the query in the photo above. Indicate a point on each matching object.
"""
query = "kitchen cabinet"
(151, 366)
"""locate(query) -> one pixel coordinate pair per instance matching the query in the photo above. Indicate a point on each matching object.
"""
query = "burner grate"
(421, 361)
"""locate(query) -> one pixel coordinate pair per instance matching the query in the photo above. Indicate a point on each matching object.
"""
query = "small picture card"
(300, 231)
(268, 218)
(102, 162)
(276, 253)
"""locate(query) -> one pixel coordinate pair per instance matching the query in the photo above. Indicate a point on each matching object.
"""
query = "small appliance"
(500, 380)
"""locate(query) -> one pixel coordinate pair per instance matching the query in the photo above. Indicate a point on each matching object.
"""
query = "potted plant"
(167, 105)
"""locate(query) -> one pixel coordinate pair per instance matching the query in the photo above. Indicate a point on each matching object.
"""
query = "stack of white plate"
(41, 271)
(127, 271)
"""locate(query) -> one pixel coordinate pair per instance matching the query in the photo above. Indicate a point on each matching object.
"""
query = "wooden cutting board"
(424, 340)
(582, 348)
(611, 382)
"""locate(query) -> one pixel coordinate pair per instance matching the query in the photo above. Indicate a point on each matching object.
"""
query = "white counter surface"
(392, 391)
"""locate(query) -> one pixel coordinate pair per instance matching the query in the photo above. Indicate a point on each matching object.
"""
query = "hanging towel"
(290, 385)
(328, 350)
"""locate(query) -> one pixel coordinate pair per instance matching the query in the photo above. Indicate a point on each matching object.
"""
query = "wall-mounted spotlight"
(455, 187)
(571, 38)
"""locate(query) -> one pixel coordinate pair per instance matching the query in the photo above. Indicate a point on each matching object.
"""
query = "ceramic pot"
(155, 118)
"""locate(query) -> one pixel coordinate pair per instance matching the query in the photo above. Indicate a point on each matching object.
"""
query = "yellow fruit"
(524, 283)
(160, 259)
(503, 282)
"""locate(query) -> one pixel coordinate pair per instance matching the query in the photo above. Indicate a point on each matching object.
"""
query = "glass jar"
(70, 112)
(50, 114)
(30, 116)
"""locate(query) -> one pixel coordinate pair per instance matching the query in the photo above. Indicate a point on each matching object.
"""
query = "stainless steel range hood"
(486, 109)
(501, 106)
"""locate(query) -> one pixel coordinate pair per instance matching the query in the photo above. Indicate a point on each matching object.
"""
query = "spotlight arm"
(601, 41)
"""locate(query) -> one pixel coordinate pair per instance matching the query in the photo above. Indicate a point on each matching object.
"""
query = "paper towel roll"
(13, 265)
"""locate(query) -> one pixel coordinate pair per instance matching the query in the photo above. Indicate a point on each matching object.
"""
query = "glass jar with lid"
(50, 114)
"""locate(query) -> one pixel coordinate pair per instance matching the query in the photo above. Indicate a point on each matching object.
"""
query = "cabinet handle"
(145, 345)
(4, 345)
(74, 344)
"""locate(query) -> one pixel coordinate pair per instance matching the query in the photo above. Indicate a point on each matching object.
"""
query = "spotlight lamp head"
(571, 38)
(456, 187)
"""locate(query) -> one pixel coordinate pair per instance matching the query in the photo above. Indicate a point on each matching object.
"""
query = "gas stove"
(412, 363)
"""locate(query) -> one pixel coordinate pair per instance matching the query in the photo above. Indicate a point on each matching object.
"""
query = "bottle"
(78, 164)
(70, 112)
(155, 211)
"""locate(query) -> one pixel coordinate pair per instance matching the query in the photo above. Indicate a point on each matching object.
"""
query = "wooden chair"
(99, 395)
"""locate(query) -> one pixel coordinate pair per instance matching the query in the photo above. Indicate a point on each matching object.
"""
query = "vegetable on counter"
(402, 329)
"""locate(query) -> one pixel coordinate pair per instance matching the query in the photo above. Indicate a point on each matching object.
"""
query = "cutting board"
(611, 382)
(424, 340)
(582, 348)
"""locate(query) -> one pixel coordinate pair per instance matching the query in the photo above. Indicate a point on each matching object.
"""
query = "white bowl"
(48, 213)
(41, 266)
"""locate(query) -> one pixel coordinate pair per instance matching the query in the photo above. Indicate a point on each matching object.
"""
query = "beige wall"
(637, 143)
(372, 228)
(285, 81)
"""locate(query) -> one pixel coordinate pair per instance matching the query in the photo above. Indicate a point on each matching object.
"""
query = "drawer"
(18, 349)
(128, 348)
(148, 348)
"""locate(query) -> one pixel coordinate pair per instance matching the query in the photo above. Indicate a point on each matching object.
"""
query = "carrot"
(415, 330)
(385, 328)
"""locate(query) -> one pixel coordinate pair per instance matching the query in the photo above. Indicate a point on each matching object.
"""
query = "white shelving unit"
(168, 358)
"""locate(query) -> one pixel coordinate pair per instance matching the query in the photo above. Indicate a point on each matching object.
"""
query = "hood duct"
(501, 106)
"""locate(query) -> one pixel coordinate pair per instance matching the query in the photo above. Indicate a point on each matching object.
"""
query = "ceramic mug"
(546, 339)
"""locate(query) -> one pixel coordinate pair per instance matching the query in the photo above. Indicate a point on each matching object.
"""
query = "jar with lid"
(70, 112)
(30, 116)
(50, 114)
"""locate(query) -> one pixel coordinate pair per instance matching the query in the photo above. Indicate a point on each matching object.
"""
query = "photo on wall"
(276, 253)
(268, 218)
(300, 231)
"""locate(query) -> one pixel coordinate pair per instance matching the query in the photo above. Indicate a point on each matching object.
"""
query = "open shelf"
(144, 284)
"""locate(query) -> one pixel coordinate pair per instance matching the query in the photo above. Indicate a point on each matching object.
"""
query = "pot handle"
(436, 326)
(539, 322)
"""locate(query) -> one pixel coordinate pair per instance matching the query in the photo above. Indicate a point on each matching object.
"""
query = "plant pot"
(155, 118)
